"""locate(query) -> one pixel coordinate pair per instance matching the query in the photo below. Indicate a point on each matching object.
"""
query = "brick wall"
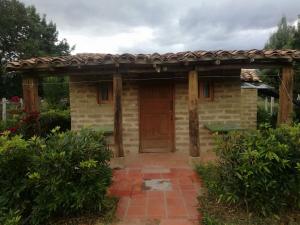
(248, 108)
(130, 118)
(85, 110)
(225, 108)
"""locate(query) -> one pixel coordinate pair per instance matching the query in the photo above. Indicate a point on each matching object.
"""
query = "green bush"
(65, 174)
(260, 169)
(15, 193)
(54, 118)
(264, 117)
(5, 125)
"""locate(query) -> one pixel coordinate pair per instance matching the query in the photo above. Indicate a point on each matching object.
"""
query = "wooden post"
(30, 94)
(286, 96)
(4, 109)
(117, 95)
(193, 114)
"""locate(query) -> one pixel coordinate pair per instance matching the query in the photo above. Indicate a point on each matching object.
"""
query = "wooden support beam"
(285, 111)
(117, 95)
(30, 94)
(193, 114)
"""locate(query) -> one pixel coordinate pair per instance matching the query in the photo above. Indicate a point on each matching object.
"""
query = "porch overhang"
(181, 62)
(190, 64)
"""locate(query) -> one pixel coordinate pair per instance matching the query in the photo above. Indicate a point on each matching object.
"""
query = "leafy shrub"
(5, 125)
(260, 169)
(264, 117)
(15, 160)
(54, 118)
(64, 174)
(54, 90)
(30, 124)
(296, 115)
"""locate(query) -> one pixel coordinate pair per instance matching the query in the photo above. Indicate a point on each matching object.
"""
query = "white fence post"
(21, 103)
(272, 105)
(266, 104)
(4, 109)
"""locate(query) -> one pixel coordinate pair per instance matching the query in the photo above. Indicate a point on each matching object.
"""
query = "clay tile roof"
(155, 58)
(250, 75)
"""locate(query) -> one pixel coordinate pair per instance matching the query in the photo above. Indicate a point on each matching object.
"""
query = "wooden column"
(285, 110)
(118, 134)
(30, 94)
(193, 114)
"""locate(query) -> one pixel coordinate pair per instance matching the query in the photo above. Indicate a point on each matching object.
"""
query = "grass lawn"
(218, 213)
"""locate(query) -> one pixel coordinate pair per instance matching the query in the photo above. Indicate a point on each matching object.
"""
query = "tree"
(24, 34)
(296, 39)
(286, 37)
(283, 38)
(54, 90)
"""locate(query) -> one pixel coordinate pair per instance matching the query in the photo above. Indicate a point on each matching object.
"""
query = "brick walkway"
(156, 189)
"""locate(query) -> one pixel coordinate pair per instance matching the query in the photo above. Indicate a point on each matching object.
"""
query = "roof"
(259, 86)
(251, 80)
(250, 75)
(184, 58)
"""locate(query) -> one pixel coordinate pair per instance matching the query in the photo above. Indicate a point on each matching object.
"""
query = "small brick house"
(161, 103)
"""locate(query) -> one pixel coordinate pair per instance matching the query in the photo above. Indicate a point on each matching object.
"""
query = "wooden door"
(156, 117)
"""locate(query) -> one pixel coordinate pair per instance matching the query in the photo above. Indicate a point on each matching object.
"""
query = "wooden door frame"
(171, 82)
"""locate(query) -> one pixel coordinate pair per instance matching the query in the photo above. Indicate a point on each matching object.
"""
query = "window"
(105, 93)
(206, 90)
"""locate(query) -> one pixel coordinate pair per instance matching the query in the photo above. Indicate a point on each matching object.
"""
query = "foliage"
(15, 194)
(216, 212)
(286, 37)
(29, 125)
(283, 38)
(41, 124)
(54, 118)
(65, 174)
(54, 90)
(264, 117)
(24, 34)
(6, 125)
(259, 169)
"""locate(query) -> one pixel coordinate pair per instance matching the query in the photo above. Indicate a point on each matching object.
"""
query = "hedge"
(260, 170)
(62, 175)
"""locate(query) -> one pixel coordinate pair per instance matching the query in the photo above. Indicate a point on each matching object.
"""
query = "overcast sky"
(145, 26)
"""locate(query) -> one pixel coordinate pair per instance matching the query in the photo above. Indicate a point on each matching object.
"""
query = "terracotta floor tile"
(137, 206)
(193, 212)
(185, 181)
(136, 211)
(148, 176)
(155, 210)
(187, 187)
(177, 211)
(173, 194)
(176, 222)
(155, 195)
(138, 201)
(174, 201)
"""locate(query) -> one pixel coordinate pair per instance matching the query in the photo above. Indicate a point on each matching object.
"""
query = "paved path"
(156, 189)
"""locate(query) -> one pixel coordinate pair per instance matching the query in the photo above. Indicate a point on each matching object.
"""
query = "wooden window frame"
(110, 93)
(201, 90)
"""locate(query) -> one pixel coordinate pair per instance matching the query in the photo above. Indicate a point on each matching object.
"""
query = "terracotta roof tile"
(155, 58)
(250, 75)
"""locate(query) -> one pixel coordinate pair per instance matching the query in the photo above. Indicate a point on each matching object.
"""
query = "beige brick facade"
(248, 108)
(229, 105)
